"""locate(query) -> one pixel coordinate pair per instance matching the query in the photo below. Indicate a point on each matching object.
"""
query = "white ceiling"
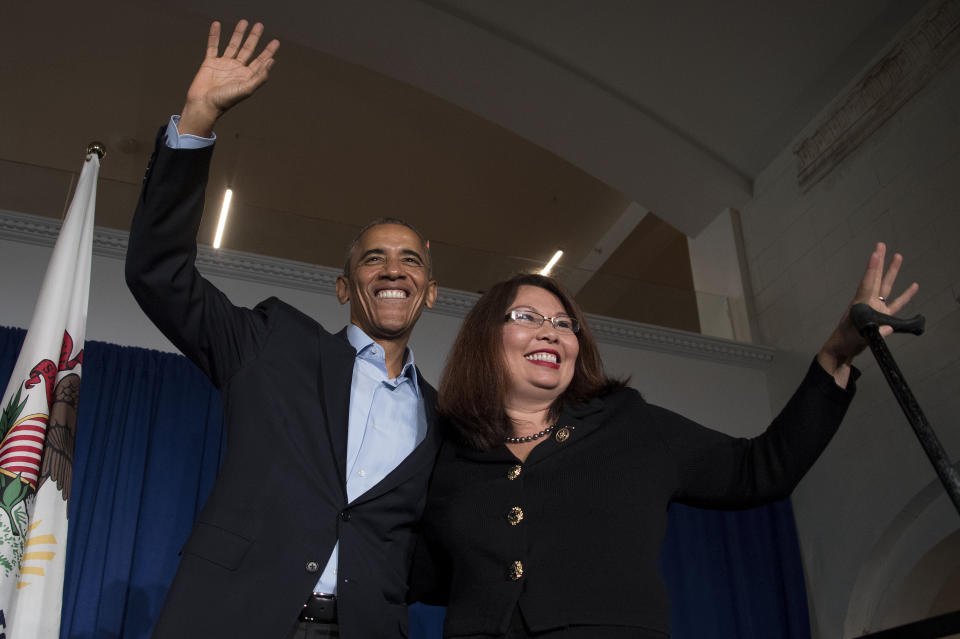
(678, 105)
(502, 129)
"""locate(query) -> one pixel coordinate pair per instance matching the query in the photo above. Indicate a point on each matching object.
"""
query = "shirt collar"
(371, 351)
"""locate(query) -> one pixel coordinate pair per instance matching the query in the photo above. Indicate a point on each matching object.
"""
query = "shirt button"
(515, 515)
(514, 472)
(312, 566)
(345, 515)
(362, 473)
(515, 571)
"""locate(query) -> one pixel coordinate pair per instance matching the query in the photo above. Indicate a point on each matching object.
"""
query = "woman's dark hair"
(474, 384)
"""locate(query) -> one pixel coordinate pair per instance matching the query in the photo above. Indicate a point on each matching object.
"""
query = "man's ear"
(431, 297)
(343, 289)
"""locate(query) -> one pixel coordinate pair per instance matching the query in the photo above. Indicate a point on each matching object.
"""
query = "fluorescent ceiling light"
(224, 211)
(551, 263)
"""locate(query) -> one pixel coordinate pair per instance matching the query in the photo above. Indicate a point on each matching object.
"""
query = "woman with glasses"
(548, 503)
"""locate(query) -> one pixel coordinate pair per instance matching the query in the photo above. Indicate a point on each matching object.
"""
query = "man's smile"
(392, 293)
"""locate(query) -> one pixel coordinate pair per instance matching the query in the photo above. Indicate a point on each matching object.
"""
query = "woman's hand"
(875, 290)
(223, 81)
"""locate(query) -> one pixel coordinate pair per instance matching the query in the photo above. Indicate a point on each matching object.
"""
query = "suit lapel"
(336, 376)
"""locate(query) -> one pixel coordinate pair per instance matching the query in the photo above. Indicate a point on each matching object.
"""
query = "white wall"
(867, 512)
(721, 395)
(716, 259)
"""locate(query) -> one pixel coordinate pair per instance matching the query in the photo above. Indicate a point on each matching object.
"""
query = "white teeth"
(542, 357)
(391, 293)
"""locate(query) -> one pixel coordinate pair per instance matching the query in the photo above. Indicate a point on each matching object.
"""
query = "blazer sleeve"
(430, 574)
(161, 273)
(715, 470)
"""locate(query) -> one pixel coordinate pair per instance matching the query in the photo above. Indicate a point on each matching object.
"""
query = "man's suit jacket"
(279, 504)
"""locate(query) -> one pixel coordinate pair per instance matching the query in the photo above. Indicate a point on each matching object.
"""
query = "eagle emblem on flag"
(36, 447)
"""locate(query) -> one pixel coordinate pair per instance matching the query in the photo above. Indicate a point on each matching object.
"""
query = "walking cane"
(868, 322)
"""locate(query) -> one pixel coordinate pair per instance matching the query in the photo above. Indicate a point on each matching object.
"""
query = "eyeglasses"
(532, 319)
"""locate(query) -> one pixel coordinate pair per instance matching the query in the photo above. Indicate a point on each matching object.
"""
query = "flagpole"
(97, 147)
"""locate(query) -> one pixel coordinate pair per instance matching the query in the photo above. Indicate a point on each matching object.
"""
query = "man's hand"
(222, 81)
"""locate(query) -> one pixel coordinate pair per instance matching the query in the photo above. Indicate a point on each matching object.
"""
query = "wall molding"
(42, 231)
(906, 68)
(646, 336)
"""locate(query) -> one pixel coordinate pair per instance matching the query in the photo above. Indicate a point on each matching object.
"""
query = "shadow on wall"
(913, 571)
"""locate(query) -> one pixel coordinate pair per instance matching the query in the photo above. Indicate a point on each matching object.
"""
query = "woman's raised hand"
(875, 290)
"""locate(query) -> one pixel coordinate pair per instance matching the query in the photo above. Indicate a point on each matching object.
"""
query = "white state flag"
(38, 426)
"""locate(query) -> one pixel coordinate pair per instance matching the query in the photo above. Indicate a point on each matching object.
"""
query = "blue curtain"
(735, 574)
(149, 443)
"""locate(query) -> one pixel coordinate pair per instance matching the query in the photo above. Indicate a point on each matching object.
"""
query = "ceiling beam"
(575, 278)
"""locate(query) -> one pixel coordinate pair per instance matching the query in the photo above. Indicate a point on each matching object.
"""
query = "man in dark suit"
(331, 438)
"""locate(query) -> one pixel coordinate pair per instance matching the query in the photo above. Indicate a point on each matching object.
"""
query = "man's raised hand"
(224, 80)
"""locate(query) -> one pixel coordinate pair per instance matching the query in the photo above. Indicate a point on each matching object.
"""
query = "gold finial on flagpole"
(97, 147)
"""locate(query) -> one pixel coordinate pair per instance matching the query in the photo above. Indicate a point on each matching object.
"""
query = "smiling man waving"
(331, 437)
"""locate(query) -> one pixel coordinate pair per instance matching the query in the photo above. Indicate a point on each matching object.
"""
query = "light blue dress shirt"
(185, 141)
(387, 421)
(387, 417)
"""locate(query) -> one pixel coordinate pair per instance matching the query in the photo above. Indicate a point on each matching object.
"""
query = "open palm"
(875, 289)
(224, 80)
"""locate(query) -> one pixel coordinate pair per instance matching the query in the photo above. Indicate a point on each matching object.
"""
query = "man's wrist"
(198, 120)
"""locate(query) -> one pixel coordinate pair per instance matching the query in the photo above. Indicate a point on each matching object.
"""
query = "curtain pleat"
(735, 574)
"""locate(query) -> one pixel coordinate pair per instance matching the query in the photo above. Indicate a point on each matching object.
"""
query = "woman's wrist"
(836, 366)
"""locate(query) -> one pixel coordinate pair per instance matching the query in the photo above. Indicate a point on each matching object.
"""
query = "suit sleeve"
(161, 273)
(715, 470)
(430, 574)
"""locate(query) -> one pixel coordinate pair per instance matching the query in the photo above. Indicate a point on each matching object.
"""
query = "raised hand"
(875, 290)
(224, 80)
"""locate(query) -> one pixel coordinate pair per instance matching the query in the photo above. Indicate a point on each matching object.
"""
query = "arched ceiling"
(503, 129)
(676, 105)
